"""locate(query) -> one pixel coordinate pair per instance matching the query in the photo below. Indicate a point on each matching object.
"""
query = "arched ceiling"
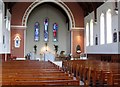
(87, 7)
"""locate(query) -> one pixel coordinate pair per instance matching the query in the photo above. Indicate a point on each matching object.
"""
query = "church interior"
(59, 43)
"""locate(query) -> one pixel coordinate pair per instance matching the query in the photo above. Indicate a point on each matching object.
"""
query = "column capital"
(77, 28)
(18, 27)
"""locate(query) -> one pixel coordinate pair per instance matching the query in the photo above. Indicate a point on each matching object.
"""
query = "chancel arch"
(54, 15)
(58, 3)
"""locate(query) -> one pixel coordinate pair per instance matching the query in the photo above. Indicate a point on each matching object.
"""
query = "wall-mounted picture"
(115, 37)
(96, 40)
(3, 39)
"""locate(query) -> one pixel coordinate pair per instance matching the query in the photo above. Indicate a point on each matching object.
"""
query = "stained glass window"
(55, 28)
(36, 31)
(46, 29)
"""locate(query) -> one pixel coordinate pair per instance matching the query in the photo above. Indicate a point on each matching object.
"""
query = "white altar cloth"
(49, 56)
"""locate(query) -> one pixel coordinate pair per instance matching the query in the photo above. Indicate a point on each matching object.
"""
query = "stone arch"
(59, 3)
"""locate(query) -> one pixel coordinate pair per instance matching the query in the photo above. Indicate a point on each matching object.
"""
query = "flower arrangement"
(56, 48)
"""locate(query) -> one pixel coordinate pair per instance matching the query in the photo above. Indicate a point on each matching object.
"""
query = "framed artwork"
(96, 40)
(46, 30)
(3, 39)
(115, 37)
(36, 31)
(55, 29)
(119, 36)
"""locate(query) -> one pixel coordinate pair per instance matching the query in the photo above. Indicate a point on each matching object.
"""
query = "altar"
(48, 56)
(44, 56)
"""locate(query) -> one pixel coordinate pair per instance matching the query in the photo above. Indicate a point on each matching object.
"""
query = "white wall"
(119, 26)
(54, 15)
(1, 24)
(4, 47)
(111, 48)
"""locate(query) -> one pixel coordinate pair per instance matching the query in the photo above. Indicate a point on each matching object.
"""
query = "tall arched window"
(102, 29)
(36, 31)
(109, 26)
(91, 32)
(55, 33)
(1, 19)
(87, 34)
(46, 34)
(8, 20)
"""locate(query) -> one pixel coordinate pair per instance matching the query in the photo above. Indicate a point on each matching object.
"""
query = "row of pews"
(94, 72)
(34, 73)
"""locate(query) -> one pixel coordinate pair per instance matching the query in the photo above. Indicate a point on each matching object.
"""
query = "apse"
(47, 24)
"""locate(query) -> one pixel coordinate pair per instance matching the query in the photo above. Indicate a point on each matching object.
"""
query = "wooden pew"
(44, 82)
(35, 73)
(94, 70)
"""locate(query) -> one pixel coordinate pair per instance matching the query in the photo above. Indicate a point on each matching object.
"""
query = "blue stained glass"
(36, 31)
(55, 28)
(46, 30)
